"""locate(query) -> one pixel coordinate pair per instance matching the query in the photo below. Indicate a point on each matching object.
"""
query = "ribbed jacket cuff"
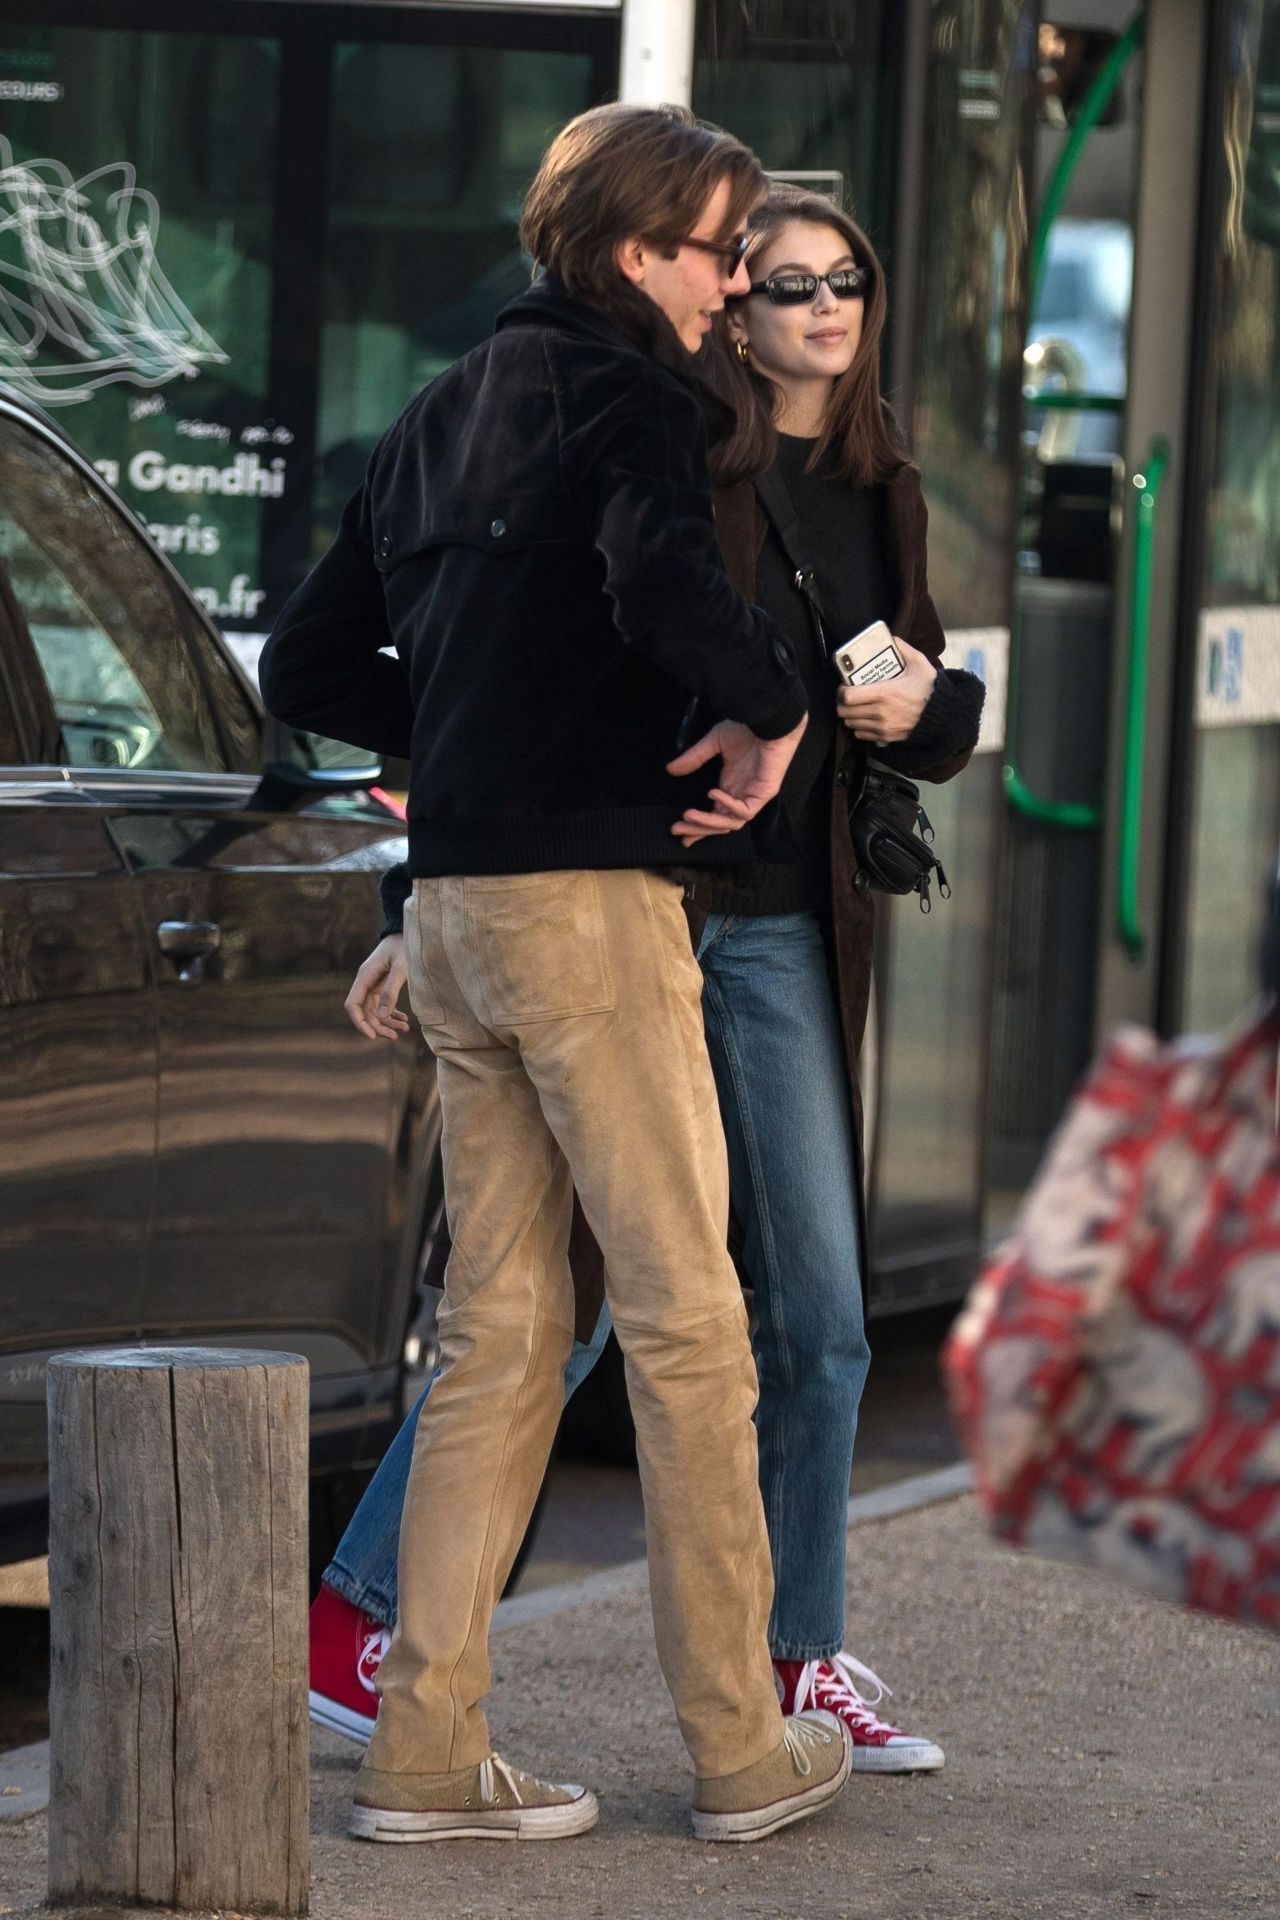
(394, 889)
(785, 715)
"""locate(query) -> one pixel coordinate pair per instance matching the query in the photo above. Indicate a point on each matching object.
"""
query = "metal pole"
(657, 53)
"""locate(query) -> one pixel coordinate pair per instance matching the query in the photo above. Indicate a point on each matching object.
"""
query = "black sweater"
(844, 538)
(536, 541)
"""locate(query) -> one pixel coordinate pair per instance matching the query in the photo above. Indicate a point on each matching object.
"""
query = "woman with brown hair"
(785, 952)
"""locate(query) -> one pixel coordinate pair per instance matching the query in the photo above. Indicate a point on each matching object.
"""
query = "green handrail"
(1074, 815)
(1077, 814)
(1147, 484)
(1065, 402)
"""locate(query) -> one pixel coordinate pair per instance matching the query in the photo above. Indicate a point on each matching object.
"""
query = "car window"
(105, 621)
(237, 715)
(10, 745)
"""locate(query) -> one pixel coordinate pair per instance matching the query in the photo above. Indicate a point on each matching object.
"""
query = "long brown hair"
(859, 437)
(620, 171)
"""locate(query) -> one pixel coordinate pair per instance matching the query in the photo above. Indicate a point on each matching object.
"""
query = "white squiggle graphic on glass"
(83, 300)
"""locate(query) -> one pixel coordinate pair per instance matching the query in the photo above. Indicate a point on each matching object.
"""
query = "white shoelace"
(798, 1736)
(372, 1655)
(488, 1786)
(842, 1689)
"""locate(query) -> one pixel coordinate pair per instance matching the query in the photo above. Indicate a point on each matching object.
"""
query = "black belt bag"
(892, 837)
(884, 816)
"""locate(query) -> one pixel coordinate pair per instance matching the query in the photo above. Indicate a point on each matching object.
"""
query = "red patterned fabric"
(1116, 1371)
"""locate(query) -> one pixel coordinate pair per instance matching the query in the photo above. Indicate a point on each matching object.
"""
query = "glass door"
(1231, 778)
(1075, 375)
(964, 381)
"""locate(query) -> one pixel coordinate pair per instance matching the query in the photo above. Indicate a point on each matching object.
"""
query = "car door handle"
(190, 942)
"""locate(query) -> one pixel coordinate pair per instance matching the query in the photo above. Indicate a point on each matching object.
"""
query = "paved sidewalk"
(1106, 1756)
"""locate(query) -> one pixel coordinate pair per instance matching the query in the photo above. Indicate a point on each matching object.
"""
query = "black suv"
(195, 1145)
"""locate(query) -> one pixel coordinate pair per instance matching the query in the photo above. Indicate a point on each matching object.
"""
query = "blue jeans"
(773, 1034)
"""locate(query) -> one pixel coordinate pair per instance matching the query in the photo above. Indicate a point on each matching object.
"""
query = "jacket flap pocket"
(506, 522)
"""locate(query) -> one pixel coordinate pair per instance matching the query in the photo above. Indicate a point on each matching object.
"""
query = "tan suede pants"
(564, 1010)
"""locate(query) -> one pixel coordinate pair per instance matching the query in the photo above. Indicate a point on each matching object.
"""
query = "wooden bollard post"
(179, 1763)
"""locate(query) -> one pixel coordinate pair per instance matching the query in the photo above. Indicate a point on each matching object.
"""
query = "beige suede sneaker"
(490, 1802)
(798, 1778)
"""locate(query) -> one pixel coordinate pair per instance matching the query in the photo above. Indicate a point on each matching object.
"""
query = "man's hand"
(371, 1003)
(890, 711)
(751, 772)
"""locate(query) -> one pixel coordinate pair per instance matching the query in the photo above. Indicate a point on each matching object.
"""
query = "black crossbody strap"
(776, 500)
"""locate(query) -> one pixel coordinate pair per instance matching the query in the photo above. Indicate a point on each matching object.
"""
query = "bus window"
(135, 234)
(431, 150)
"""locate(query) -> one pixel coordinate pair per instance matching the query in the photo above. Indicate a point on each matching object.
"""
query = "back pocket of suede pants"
(538, 941)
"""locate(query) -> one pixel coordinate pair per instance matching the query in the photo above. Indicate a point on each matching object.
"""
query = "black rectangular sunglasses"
(796, 289)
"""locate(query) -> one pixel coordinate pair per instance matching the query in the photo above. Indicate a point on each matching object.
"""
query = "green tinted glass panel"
(970, 305)
(972, 302)
(1237, 774)
(927, 1169)
(810, 88)
(135, 213)
(431, 151)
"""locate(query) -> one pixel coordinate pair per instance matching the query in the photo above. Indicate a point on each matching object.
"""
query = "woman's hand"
(371, 1003)
(889, 712)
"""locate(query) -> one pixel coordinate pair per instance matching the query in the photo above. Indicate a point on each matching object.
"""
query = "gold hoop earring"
(740, 348)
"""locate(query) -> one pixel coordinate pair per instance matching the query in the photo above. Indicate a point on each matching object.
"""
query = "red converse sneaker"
(346, 1651)
(832, 1685)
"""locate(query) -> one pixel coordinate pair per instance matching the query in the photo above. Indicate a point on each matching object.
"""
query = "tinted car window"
(104, 620)
(10, 745)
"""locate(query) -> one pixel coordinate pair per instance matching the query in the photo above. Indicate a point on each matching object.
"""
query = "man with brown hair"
(535, 537)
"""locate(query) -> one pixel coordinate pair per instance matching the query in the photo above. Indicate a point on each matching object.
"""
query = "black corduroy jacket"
(535, 539)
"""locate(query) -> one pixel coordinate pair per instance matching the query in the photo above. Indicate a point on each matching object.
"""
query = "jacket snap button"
(498, 528)
(384, 545)
(784, 656)
(842, 778)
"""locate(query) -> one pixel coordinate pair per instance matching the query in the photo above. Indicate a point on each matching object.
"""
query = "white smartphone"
(871, 656)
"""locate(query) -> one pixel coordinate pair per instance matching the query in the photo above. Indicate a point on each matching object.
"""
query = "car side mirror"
(284, 785)
(298, 767)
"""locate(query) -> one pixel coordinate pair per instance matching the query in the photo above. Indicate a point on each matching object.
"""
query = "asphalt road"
(592, 1516)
